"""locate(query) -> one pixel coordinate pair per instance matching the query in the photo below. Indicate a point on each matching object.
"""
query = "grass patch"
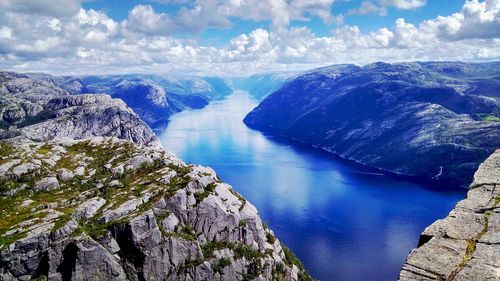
(209, 189)
(44, 149)
(209, 248)
(6, 241)
(270, 238)
(490, 118)
(6, 150)
(221, 263)
(95, 229)
(186, 233)
(290, 257)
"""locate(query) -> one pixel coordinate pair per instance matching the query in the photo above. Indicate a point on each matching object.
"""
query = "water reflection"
(343, 222)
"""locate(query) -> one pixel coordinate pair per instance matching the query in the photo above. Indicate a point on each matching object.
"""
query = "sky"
(239, 37)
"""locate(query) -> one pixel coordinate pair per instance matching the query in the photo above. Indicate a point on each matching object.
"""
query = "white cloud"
(91, 42)
(56, 8)
(476, 20)
(367, 7)
(404, 4)
(380, 7)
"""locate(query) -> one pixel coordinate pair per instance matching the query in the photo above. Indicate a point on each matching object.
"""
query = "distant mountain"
(435, 120)
(261, 85)
(73, 85)
(155, 98)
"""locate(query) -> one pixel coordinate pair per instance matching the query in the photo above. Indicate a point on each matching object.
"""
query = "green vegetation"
(491, 118)
(186, 233)
(96, 156)
(242, 223)
(270, 238)
(180, 170)
(39, 278)
(209, 189)
(248, 252)
(278, 273)
(291, 259)
(6, 150)
(44, 149)
(221, 263)
(209, 247)
(93, 228)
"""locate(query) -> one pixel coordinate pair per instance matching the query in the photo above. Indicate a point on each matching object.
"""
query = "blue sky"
(119, 9)
(240, 36)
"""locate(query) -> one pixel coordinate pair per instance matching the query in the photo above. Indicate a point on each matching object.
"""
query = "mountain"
(155, 98)
(436, 121)
(73, 85)
(87, 193)
(466, 244)
(262, 84)
(36, 110)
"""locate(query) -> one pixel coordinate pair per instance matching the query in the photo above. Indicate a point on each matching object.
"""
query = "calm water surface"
(342, 222)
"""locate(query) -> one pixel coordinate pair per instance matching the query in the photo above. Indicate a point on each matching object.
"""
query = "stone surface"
(466, 244)
(89, 208)
(146, 229)
(44, 111)
(46, 184)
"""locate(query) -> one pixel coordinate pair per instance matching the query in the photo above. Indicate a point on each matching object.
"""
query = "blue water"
(343, 222)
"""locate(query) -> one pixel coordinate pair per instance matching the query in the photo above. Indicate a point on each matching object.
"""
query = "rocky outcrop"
(433, 121)
(466, 244)
(158, 220)
(79, 206)
(36, 110)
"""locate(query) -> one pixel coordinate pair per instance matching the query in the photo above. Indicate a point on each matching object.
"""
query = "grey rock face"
(35, 110)
(89, 208)
(46, 184)
(466, 244)
(165, 220)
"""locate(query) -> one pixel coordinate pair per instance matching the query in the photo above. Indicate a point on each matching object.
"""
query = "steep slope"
(37, 110)
(466, 244)
(108, 208)
(414, 119)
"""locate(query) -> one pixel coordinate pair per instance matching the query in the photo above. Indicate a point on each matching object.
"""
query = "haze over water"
(343, 222)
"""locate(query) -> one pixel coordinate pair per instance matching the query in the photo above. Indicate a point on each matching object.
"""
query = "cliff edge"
(87, 193)
(466, 244)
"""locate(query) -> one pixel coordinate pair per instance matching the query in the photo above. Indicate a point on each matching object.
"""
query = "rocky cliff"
(36, 110)
(79, 206)
(434, 121)
(466, 244)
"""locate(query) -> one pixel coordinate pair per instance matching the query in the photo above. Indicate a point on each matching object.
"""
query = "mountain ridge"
(406, 118)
